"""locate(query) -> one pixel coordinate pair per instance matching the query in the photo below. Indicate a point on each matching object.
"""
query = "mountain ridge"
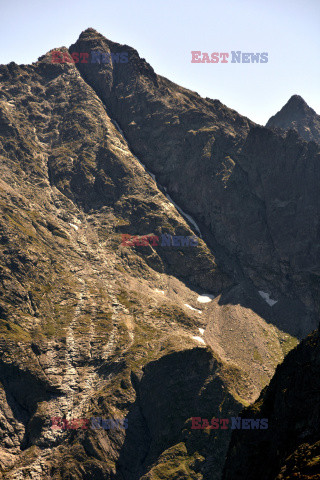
(90, 327)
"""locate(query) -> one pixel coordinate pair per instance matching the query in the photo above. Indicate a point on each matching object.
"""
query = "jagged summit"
(94, 38)
(93, 35)
(297, 115)
(296, 100)
(89, 30)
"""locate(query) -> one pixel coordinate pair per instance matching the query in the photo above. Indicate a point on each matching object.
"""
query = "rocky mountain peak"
(297, 101)
(296, 114)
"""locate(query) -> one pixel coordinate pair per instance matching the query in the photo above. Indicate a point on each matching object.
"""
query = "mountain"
(297, 115)
(290, 447)
(91, 327)
(226, 172)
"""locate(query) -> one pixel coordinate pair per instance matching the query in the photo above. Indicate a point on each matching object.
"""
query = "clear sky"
(166, 31)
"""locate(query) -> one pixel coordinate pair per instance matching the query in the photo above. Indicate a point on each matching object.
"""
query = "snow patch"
(118, 128)
(199, 339)
(184, 214)
(267, 298)
(74, 226)
(201, 330)
(159, 291)
(205, 298)
(191, 308)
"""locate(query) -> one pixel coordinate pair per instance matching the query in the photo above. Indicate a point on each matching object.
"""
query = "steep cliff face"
(290, 447)
(297, 115)
(90, 327)
(242, 183)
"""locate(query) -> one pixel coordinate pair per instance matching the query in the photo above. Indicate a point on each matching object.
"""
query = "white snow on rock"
(199, 339)
(184, 214)
(267, 298)
(118, 128)
(201, 330)
(74, 226)
(205, 298)
(159, 291)
(191, 308)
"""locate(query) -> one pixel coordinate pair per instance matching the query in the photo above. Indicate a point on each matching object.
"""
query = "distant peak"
(297, 100)
(90, 33)
(89, 30)
(297, 115)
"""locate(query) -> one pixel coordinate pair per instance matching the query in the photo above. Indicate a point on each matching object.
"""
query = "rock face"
(241, 182)
(290, 447)
(90, 327)
(82, 315)
(297, 115)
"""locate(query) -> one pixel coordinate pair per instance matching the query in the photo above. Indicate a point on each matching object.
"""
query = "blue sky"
(165, 32)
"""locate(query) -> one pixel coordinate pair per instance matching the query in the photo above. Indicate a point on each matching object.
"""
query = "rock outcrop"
(298, 116)
(290, 447)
